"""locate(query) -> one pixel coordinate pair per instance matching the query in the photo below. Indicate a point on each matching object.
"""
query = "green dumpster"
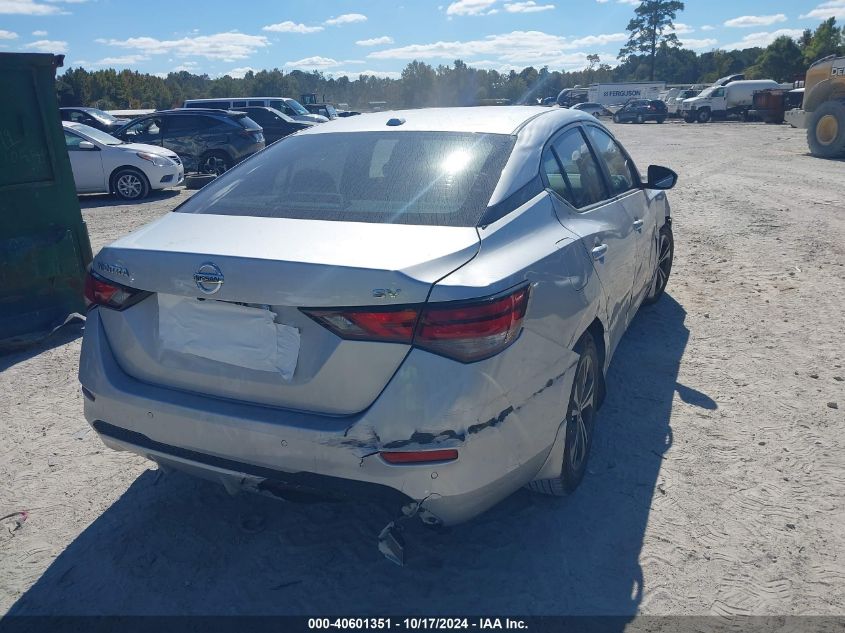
(44, 246)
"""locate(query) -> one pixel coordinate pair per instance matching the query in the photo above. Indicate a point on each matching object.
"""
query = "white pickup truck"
(720, 102)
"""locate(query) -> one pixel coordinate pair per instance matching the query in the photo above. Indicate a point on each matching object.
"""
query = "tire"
(214, 163)
(703, 116)
(665, 257)
(616, 118)
(580, 422)
(130, 184)
(640, 118)
(661, 119)
(826, 130)
(688, 119)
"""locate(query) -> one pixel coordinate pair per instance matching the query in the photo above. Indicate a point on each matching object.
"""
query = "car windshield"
(433, 178)
(100, 114)
(707, 91)
(95, 134)
(296, 106)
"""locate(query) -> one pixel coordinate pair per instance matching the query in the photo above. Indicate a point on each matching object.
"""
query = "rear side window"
(620, 168)
(186, 123)
(433, 178)
(579, 169)
(554, 176)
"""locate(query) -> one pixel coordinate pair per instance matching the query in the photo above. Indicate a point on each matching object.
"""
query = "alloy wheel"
(582, 412)
(129, 186)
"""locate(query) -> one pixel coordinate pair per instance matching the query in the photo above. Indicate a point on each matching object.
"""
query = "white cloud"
(48, 46)
(529, 6)
(598, 40)
(8, 35)
(527, 47)
(707, 27)
(121, 60)
(313, 62)
(698, 44)
(832, 9)
(291, 27)
(40, 33)
(376, 41)
(682, 29)
(470, 7)
(318, 62)
(27, 7)
(746, 21)
(346, 18)
(762, 39)
(223, 46)
(238, 73)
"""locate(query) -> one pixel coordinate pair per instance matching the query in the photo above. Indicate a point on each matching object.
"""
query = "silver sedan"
(421, 305)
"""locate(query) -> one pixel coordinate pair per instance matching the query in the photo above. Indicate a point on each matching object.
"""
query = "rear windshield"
(435, 178)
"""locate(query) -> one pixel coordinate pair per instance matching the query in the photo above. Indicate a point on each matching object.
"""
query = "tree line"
(422, 84)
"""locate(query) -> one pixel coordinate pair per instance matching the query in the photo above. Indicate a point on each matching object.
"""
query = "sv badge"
(389, 293)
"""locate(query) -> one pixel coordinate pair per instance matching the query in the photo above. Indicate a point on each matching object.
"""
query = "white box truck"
(620, 94)
(720, 102)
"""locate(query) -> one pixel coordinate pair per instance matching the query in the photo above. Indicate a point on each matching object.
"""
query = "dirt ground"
(716, 484)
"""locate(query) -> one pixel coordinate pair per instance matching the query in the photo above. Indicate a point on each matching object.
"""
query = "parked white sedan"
(103, 163)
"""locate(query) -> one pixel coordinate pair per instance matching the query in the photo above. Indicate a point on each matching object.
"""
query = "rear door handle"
(638, 224)
(599, 251)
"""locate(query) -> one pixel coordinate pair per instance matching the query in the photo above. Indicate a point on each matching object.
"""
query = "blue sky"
(350, 37)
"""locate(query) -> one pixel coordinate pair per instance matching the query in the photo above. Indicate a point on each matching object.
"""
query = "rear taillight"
(467, 331)
(100, 291)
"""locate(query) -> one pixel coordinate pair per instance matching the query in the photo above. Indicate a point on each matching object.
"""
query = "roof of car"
(198, 111)
(481, 119)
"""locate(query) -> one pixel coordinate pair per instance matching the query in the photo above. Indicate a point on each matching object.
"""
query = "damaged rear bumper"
(502, 423)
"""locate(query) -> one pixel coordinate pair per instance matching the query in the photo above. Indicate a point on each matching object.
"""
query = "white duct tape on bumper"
(228, 333)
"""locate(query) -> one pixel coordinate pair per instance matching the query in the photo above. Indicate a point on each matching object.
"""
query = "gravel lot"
(716, 484)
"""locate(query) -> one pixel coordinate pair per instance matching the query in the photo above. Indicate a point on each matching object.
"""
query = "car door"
(624, 182)
(86, 164)
(585, 206)
(180, 135)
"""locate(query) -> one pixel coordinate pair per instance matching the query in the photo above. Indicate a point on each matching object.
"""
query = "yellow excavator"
(824, 107)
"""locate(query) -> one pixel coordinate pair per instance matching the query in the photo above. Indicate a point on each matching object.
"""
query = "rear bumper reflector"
(419, 457)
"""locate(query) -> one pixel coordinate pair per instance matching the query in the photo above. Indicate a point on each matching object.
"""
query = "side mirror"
(86, 145)
(660, 177)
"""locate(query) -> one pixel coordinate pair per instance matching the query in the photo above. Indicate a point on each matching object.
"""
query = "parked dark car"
(345, 113)
(92, 117)
(274, 124)
(209, 141)
(642, 110)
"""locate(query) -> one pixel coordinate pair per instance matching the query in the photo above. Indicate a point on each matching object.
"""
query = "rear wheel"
(665, 256)
(826, 130)
(661, 119)
(640, 118)
(130, 184)
(214, 163)
(580, 422)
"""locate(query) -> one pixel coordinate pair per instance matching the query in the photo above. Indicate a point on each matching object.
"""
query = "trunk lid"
(272, 264)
